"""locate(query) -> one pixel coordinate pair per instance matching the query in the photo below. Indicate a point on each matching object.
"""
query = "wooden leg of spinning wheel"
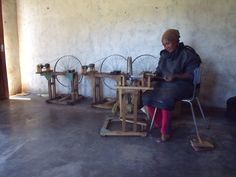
(49, 89)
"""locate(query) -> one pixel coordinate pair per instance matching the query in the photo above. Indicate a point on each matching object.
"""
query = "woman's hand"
(169, 78)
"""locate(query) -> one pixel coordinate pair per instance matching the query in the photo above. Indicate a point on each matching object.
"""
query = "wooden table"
(127, 116)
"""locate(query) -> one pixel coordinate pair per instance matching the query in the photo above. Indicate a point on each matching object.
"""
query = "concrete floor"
(47, 140)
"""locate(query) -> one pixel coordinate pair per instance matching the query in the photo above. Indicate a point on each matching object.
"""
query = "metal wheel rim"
(76, 65)
(122, 69)
(145, 66)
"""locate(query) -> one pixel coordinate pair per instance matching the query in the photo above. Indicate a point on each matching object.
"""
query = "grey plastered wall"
(93, 29)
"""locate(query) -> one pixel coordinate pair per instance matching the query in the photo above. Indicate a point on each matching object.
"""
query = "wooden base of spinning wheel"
(66, 99)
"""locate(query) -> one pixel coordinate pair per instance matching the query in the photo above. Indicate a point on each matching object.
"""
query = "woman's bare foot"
(165, 137)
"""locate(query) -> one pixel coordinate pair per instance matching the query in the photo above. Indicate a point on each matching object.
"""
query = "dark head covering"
(171, 35)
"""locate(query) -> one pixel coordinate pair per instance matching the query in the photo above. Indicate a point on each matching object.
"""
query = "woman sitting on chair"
(175, 80)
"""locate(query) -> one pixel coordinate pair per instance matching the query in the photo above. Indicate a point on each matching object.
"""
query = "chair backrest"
(196, 82)
(197, 76)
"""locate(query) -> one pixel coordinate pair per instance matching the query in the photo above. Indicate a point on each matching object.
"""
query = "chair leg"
(194, 120)
(153, 119)
(202, 113)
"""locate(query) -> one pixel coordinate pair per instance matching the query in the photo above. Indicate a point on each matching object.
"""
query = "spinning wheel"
(144, 63)
(67, 63)
(113, 64)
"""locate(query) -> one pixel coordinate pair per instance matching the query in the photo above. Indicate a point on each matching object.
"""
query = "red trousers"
(162, 119)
